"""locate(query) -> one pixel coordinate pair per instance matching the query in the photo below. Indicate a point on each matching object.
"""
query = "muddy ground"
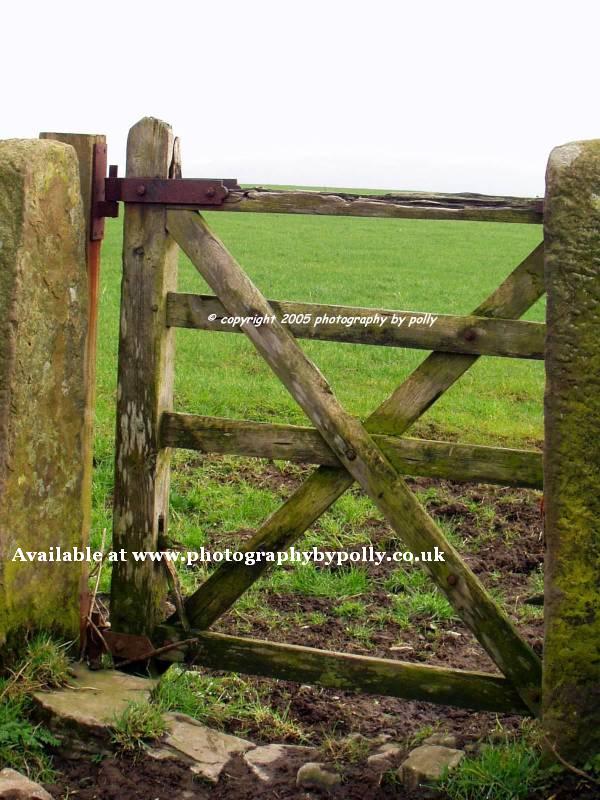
(500, 532)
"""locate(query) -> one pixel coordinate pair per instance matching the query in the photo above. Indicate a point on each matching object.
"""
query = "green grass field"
(442, 267)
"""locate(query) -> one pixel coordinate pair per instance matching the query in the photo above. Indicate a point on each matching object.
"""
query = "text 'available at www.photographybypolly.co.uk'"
(248, 557)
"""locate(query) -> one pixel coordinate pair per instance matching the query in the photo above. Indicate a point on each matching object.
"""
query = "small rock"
(14, 786)
(386, 758)
(205, 750)
(263, 760)
(443, 739)
(389, 747)
(355, 737)
(315, 775)
(426, 763)
(81, 715)
(382, 762)
(382, 738)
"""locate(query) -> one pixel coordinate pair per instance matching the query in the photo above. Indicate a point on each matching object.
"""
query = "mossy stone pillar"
(571, 683)
(43, 322)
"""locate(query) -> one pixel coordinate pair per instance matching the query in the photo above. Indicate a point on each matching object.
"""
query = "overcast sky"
(448, 96)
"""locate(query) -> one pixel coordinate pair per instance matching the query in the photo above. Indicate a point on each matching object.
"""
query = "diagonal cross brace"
(523, 287)
(360, 455)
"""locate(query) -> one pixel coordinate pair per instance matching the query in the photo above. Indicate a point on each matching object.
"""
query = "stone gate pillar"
(43, 321)
(571, 690)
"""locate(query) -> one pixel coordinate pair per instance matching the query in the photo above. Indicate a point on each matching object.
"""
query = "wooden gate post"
(571, 688)
(145, 389)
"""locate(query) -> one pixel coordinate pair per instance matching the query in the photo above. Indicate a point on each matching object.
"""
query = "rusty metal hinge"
(108, 192)
(194, 192)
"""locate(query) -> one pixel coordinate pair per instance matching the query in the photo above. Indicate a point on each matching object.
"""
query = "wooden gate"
(372, 453)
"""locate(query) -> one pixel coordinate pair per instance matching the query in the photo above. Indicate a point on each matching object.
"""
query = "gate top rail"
(399, 205)
(225, 194)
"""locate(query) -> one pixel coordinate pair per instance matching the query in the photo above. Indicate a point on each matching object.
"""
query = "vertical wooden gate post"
(145, 388)
(571, 689)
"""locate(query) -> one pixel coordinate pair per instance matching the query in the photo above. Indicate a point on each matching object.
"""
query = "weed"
(419, 736)
(274, 725)
(349, 749)
(536, 581)
(409, 579)
(509, 771)
(417, 598)
(22, 744)
(316, 618)
(138, 724)
(45, 665)
(362, 632)
(430, 606)
(350, 609)
(308, 580)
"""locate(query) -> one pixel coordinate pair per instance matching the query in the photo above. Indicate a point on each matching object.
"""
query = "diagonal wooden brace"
(360, 455)
(523, 287)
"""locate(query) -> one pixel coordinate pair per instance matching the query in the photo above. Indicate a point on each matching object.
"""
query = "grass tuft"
(350, 749)
(136, 726)
(510, 771)
(310, 581)
(416, 598)
(350, 609)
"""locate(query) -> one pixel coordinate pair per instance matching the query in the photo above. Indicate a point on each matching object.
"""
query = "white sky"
(448, 96)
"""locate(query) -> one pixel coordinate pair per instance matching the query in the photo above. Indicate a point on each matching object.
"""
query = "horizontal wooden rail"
(442, 332)
(400, 205)
(381, 676)
(458, 462)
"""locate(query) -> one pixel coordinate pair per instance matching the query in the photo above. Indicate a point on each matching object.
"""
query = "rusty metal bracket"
(192, 192)
(127, 645)
(108, 192)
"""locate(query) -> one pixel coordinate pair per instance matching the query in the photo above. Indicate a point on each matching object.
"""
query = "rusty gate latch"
(108, 192)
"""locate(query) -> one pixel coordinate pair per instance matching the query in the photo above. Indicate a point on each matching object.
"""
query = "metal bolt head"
(350, 454)
(210, 192)
(141, 190)
(452, 580)
(470, 335)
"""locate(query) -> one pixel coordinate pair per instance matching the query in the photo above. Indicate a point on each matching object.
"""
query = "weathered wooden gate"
(372, 453)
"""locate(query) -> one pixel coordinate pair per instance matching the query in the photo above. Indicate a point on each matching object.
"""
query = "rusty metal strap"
(193, 192)
(108, 192)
